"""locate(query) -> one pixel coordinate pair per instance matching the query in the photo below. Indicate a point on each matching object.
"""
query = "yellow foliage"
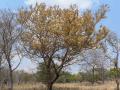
(54, 28)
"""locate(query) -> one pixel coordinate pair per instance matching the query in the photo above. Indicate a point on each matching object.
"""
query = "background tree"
(1, 66)
(1, 60)
(94, 62)
(21, 76)
(114, 42)
(56, 36)
(9, 34)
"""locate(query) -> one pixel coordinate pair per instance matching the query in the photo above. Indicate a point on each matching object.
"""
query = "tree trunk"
(102, 74)
(117, 73)
(93, 76)
(0, 69)
(49, 86)
(10, 84)
(117, 83)
(11, 81)
(117, 80)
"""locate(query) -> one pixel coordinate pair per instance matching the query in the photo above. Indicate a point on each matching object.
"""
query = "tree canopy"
(56, 36)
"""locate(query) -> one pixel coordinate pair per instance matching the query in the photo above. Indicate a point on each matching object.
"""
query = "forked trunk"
(117, 83)
(49, 86)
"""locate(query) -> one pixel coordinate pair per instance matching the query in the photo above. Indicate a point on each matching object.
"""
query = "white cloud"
(82, 4)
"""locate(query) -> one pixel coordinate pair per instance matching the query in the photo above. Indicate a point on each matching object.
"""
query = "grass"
(67, 86)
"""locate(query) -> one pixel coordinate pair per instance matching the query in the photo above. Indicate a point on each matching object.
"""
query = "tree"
(1, 60)
(94, 59)
(1, 65)
(114, 42)
(23, 77)
(113, 73)
(56, 36)
(9, 34)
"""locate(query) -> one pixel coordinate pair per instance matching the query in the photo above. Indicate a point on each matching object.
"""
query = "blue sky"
(112, 21)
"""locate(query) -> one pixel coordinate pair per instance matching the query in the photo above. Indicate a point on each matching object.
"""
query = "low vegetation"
(67, 86)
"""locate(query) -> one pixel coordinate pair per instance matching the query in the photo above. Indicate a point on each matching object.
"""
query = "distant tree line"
(20, 77)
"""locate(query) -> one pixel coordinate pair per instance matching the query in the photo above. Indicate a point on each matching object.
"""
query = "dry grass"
(67, 86)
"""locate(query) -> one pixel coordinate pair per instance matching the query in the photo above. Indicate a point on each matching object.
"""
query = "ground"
(67, 86)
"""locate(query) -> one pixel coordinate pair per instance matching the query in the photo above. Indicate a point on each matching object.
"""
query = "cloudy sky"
(83, 4)
(112, 21)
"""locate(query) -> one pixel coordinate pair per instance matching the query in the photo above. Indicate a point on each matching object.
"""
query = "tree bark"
(117, 73)
(117, 83)
(49, 86)
(93, 76)
(51, 81)
(0, 69)
(102, 74)
(10, 84)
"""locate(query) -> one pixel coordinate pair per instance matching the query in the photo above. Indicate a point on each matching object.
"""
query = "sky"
(112, 21)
